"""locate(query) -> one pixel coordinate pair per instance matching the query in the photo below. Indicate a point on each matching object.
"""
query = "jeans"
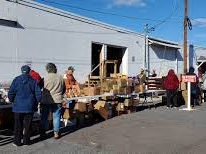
(56, 114)
(22, 121)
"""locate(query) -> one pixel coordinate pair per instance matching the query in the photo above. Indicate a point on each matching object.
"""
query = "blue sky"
(165, 15)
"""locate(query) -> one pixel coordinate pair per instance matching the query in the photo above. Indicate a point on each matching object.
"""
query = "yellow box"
(120, 107)
(99, 104)
(91, 91)
(127, 102)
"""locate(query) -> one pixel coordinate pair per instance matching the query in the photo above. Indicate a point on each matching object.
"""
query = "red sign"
(188, 78)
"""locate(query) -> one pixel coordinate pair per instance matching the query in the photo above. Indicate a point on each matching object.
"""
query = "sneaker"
(56, 135)
(16, 145)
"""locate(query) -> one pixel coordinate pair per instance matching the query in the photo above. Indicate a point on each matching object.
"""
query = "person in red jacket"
(171, 84)
(35, 75)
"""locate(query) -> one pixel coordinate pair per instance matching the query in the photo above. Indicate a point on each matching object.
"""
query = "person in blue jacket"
(25, 94)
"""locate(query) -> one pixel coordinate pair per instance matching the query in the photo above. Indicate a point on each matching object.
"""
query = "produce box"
(120, 107)
(91, 91)
(125, 90)
(128, 102)
(183, 86)
(67, 113)
(81, 107)
(135, 102)
(184, 94)
(108, 85)
(113, 75)
(130, 82)
(103, 112)
(99, 104)
(114, 91)
(122, 82)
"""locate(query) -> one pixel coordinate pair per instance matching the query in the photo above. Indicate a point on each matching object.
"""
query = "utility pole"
(185, 38)
(146, 31)
(145, 46)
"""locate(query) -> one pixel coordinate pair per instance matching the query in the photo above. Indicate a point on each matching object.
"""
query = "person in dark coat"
(171, 84)
(194, 86)
(25, 94)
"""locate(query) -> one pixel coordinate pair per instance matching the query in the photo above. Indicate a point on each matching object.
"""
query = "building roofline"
(50, 9)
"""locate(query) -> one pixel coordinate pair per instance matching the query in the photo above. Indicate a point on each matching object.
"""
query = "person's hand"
(64, 104)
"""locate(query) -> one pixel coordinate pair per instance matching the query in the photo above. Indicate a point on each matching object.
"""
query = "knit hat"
(71, 68)
(25, 69)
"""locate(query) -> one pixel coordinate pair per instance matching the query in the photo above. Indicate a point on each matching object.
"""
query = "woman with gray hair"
(52, 97)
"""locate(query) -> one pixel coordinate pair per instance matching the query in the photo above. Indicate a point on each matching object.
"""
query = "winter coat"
(54, 89)
(171, 81)
(25, 94)
(69, 81)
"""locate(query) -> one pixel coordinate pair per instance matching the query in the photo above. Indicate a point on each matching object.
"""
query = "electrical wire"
(106, 13)
(167, 18)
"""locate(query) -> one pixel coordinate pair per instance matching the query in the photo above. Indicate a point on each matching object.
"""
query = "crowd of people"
(28, 91)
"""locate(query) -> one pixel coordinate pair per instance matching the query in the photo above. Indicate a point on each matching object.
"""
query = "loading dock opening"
(101, 53)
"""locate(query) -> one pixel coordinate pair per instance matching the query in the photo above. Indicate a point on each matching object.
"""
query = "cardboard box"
(183, 86)
(107, 97)
(108, 85)
(81, 107)
(184, 94)
(113, 75)
(130, 82)
(66, 114)
(90, 107)
(135, 102)
(99, 104)
(114, 91)
(137, 88)
(179, 76)
(91, 91)
(122, 82)
(120, 107)
(103, 112)
(128, 102)
(121, 90)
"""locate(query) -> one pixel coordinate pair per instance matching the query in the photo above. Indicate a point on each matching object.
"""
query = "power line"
(106, 13)
(176, 6)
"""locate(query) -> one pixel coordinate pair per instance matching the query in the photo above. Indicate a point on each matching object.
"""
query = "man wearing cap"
(25, 94)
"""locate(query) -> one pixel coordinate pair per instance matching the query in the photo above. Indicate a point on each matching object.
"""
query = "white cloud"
(129, 3)
(199, 22)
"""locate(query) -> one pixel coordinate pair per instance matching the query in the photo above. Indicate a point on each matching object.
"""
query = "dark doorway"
(113, 53)
(96, 49)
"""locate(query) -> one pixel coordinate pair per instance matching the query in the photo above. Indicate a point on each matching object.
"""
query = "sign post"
(189, 79)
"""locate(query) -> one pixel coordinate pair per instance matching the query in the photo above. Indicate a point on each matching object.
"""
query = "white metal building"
(34, 34)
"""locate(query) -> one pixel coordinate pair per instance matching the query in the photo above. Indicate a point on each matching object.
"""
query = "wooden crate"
(154, 83)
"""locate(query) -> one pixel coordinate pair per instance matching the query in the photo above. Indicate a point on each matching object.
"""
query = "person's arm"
(12, 91)
(38, 92)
